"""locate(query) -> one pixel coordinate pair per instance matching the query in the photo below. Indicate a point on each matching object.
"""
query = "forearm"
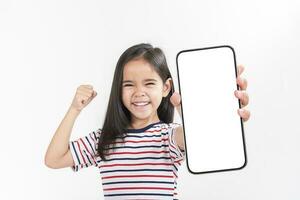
(59, 144)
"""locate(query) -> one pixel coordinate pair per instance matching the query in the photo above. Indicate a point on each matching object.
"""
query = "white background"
(49, 48)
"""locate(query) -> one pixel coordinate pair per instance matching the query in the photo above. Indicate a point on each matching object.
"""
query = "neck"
(141, 123)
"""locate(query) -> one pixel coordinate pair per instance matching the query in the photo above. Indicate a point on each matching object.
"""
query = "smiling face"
(142, 92)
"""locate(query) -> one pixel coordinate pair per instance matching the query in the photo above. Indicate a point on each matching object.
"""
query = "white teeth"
(141, 103)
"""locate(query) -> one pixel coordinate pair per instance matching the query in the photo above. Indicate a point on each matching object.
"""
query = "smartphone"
(213, 130)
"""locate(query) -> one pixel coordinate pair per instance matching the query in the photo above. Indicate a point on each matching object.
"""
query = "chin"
(141, 117)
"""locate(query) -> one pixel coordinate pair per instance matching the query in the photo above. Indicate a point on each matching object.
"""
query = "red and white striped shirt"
(142, 166)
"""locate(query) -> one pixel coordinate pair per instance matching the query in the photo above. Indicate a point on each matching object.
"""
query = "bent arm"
(58, 154)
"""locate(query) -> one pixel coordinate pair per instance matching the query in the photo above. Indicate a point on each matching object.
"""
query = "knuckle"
(89, 86)
(249, 113)
(245, 83)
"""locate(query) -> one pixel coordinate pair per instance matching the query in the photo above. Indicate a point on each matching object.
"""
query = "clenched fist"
(84, 95)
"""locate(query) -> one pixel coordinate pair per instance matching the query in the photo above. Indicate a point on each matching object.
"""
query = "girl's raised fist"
(84, 95)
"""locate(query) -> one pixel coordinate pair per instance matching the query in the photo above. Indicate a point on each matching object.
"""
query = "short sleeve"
(83, 151)
(177, 155)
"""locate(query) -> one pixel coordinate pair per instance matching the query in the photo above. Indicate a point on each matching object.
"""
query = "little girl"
(138, 149)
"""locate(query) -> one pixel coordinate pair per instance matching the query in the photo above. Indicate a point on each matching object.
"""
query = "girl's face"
(142, 91)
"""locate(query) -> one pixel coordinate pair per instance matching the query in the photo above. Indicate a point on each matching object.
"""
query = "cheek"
(126, 97)
(156, 95)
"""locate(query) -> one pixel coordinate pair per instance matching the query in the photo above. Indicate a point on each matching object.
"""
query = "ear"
(167, 87)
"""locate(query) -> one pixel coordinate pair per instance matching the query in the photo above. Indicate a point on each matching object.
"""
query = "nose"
(139, 91)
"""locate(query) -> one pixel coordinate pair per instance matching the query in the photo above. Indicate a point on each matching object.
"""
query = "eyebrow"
(146, 80)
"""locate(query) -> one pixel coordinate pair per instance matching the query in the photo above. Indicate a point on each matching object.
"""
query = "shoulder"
(173, 125)
(170, 126)
(95, 135)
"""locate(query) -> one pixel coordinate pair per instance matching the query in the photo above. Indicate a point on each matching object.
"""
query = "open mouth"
(141, 104)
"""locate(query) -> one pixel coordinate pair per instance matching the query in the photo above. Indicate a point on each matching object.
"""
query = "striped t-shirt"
(142, 166)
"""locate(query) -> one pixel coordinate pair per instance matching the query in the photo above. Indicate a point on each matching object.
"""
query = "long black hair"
(118, 117)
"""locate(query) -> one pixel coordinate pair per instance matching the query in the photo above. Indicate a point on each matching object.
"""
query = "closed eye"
(130, 85)
(150, 84)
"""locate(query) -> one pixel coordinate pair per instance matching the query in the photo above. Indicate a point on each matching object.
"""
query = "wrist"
(74, 111)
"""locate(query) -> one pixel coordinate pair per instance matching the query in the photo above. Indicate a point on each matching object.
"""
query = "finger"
(88, 86)
(241, 68)
(242, 83)
(87, 89)
(178, 108)
(176, 101)
(242, 96)
(94, 93)
(84, 93)
(244, 114)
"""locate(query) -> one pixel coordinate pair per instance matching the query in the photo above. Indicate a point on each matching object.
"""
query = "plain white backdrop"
(49, 48)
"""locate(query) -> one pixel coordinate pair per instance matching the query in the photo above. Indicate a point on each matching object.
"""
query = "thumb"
(94, 94)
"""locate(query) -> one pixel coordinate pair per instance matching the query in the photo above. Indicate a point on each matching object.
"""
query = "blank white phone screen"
(213, 130)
